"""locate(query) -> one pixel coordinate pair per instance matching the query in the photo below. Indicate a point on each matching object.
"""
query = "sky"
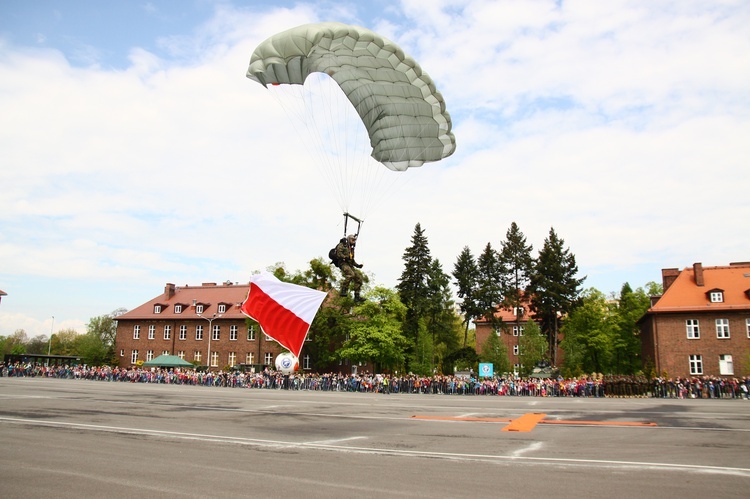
(135, 152)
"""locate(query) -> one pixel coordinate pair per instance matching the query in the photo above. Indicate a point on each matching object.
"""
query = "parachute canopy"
(403, 112)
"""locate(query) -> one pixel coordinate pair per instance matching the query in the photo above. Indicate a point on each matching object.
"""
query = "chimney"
(169, 290)
(668, 276)
(698, 272)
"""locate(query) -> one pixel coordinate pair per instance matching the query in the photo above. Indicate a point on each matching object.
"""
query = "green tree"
(489, 294)
(532, 347)
(38, 344)
(376, 334)
(466, 275)
(440, 316)
(517, 263)
(627, 343)
(589, 336)
(413, 288)
(495, 352)
(554, 286)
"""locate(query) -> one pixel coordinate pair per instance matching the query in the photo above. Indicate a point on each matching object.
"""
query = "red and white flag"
(283, 310)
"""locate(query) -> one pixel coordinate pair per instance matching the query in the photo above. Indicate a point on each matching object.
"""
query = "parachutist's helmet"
(352, 238)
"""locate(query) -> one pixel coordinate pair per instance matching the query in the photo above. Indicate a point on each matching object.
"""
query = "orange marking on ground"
(525, 423)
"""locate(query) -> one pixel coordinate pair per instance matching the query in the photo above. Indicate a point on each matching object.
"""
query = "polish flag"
(283, 310)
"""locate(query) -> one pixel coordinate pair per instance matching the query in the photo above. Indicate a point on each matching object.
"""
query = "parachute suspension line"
(347, 216)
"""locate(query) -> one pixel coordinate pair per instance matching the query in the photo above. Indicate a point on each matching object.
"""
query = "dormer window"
(157, 309)
(178, 309)
(199, 309)
(716, 296)
(222, 308)
(518, 311)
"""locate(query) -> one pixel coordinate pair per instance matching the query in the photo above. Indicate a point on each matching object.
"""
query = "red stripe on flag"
(276, 321)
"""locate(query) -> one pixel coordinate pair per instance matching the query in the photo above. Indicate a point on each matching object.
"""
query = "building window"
(696, 364)
(178, 309)
(122, 352)
(198, 333)
(197, 356)
(137, 332)
(515, 349)
(747, 327)
(134, 356)
(181, 354)
(151, 332)
(157, 309)
(232, 359)
(217, 332)
(165, 352)
(167, 332)
(268, 358)
(199, 309)
(183, 332)
(251, 333)
(693, 329)
(306, 361)
(222, 308)
(726, 366)
(249, 358)
(268, 338)
(518, 311)
(214, 359)
(722, 328)
(716, 296)
(149, 355)
(517, 330)
(233, 333)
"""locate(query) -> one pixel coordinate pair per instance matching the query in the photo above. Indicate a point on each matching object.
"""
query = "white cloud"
(622, 125)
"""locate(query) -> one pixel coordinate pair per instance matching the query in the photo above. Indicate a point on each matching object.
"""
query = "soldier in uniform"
(349, 267)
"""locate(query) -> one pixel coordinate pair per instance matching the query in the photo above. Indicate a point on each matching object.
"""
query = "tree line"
(419, 327)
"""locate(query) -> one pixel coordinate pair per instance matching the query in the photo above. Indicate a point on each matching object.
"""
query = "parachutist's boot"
(357, 298)
(344, 291)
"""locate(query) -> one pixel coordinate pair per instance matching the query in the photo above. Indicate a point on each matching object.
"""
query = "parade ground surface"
(66, 438)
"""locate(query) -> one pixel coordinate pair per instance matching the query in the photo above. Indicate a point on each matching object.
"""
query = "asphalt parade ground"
(67, 438)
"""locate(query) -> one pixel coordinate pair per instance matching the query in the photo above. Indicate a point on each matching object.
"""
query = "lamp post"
(49, 345)
(210, 335)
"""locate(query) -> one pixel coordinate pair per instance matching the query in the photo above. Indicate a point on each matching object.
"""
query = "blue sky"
(135, 152)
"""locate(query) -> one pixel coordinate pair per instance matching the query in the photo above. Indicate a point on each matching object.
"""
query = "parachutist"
(343, 257)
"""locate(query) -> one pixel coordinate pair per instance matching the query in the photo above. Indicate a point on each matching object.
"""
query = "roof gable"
(692, 288)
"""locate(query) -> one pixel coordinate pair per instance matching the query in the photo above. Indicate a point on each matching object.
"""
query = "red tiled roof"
(209, 295)
(686, 294)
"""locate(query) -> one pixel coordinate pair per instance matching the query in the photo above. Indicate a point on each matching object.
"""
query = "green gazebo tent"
(167, 361)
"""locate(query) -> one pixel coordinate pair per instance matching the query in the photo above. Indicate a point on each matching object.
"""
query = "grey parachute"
(403, 112)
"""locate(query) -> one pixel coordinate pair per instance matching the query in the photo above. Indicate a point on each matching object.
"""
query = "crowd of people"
(587, 386)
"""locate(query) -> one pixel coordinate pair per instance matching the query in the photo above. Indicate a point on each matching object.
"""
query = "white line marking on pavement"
(529, 448)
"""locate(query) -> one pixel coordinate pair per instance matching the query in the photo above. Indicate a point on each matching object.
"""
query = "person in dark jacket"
(349, 267)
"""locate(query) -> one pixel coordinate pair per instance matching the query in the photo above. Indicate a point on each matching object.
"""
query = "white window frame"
(216, 333)
(122, 352)
(149, 355)
(716, 296)
(306, 362)
(151, 332)
(178, 309)
(181, 354)
(222, 308)
(197, 357)
(696, 364)
(214, 359)
(199, 309)
(726, 365)
(167, 332)
(516, 349)
(199, 332)
(233, 330)
(722, 329)
(232, 359)
(251, 333)
(268, 358)
(134, 357)
(693, 329)
(183, 332)
(747, 327)
(157, 309)
(249, 358)
(137, 332)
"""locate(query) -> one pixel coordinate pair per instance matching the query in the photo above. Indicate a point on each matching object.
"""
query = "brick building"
(510, 331)
(201, 324)
(700, 325)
